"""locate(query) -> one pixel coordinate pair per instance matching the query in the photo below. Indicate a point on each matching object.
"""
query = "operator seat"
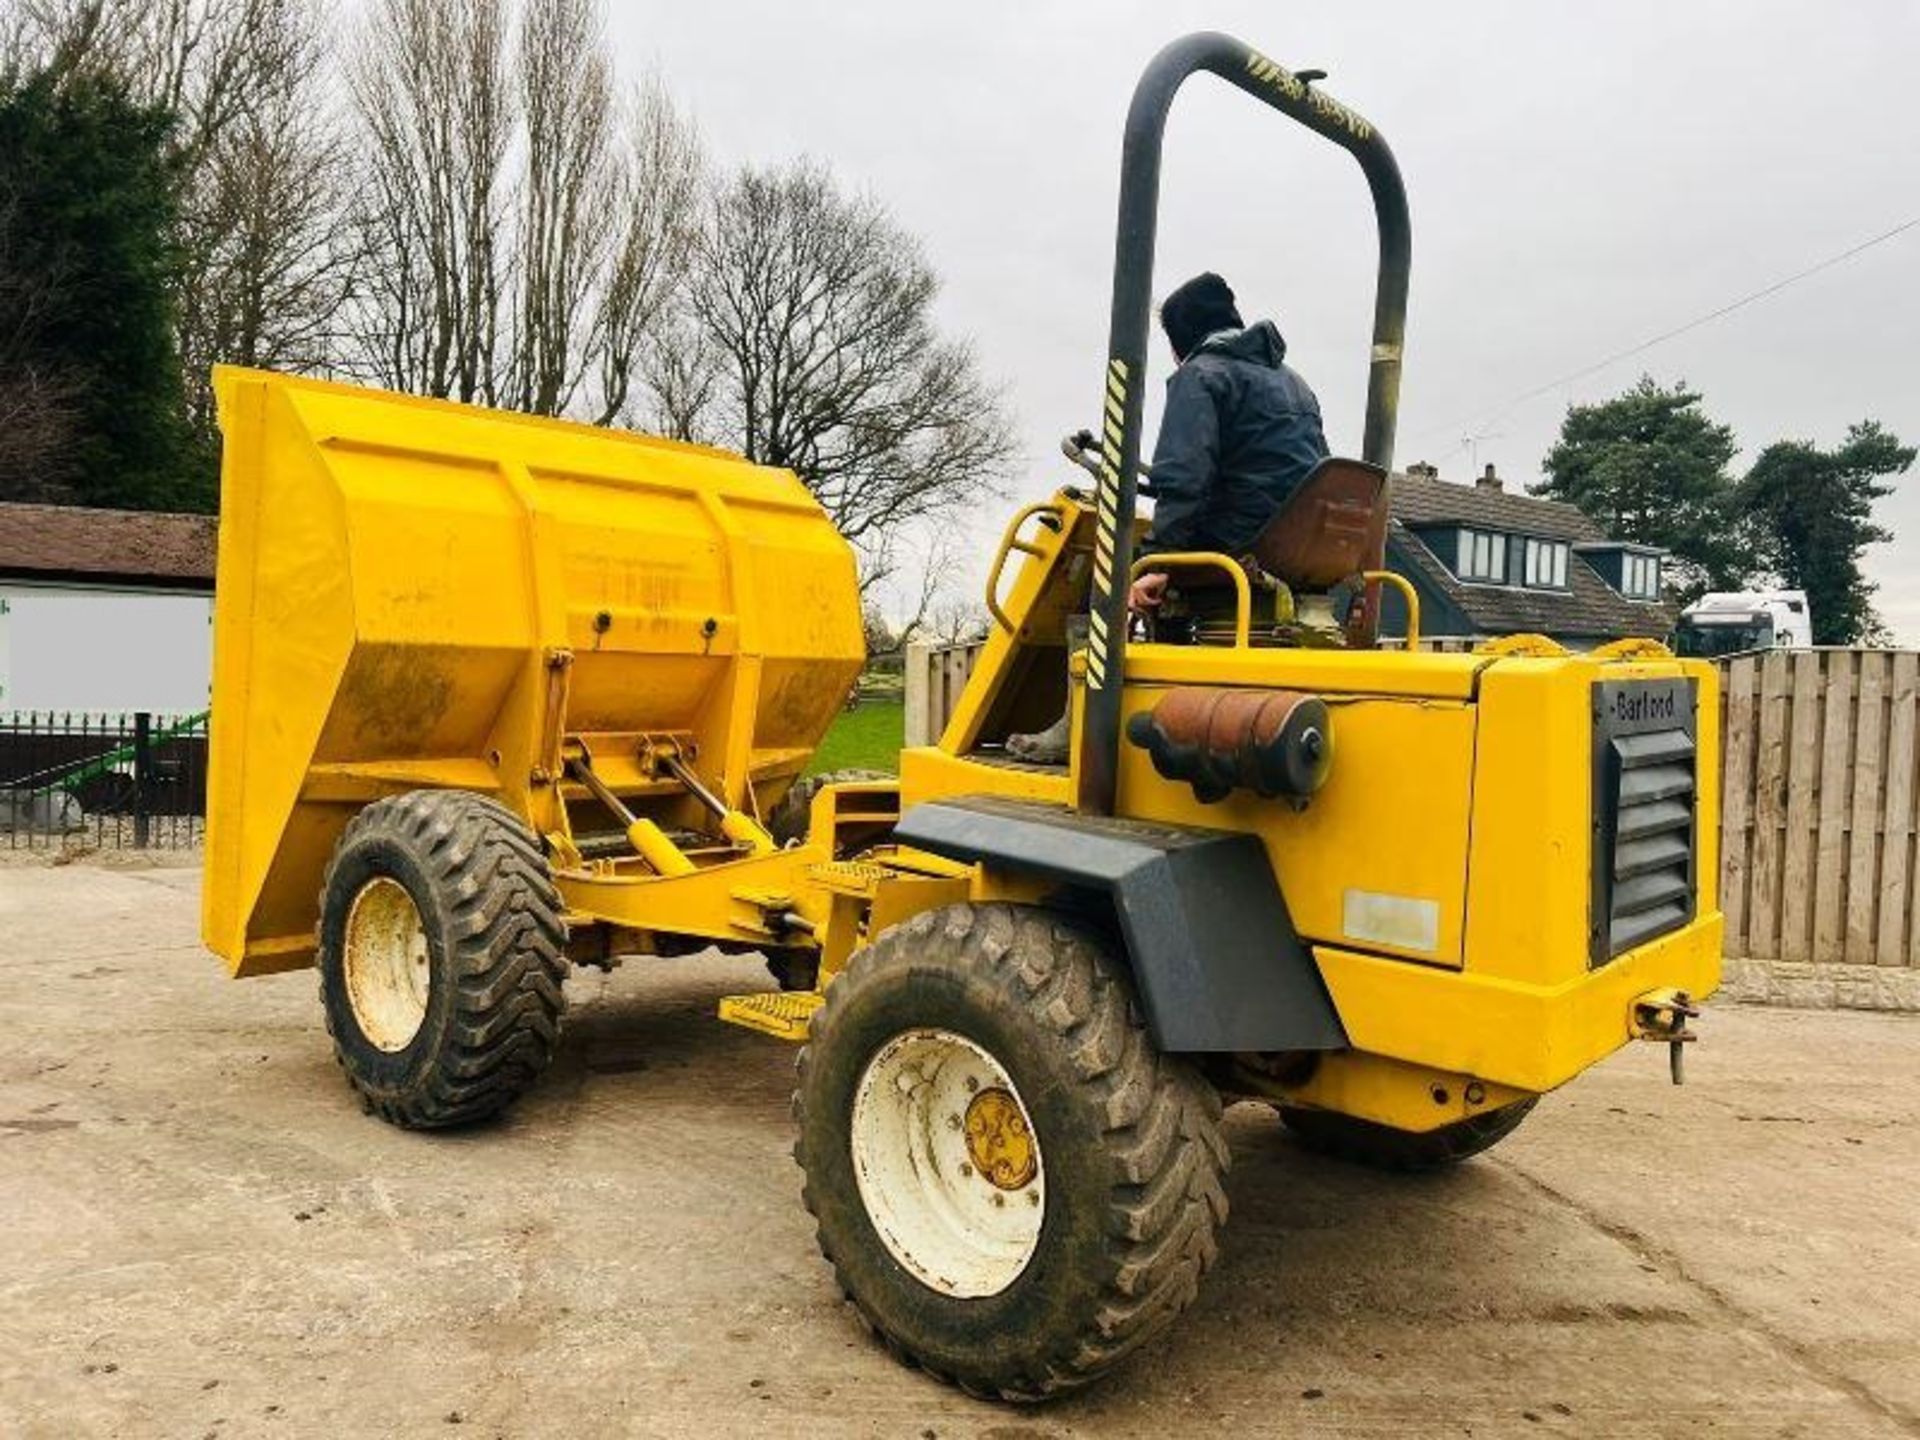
(1332, 526)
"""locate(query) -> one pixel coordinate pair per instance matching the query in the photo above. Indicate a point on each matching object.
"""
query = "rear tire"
(1088, 1215)
(1381, 1147)
(442, 952)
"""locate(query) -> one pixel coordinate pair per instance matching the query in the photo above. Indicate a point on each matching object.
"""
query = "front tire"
(1381, 1147)
(442, 952)
(1013, 1186)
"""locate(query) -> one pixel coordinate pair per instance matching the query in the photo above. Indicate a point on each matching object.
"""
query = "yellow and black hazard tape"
(1106, 518)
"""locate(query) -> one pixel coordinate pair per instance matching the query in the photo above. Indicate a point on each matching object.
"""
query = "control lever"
(1084, 450)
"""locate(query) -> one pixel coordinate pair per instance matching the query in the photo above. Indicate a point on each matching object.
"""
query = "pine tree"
(89, 198)
(1812, 511)
(1649, 466)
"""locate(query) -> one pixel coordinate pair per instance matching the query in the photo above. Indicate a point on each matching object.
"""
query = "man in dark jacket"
(1239, 433)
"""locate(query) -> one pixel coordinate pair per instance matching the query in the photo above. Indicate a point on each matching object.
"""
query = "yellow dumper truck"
(495, 696)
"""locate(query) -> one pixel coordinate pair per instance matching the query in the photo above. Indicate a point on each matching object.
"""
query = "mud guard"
(1219, 965)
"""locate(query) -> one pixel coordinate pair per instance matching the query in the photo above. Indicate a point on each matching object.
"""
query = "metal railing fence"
(77, 780)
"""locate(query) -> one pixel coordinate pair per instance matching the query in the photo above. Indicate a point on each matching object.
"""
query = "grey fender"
(1215, 957)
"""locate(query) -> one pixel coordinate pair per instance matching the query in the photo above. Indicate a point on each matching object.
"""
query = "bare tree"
(209, 62)
(66, 36)
(430, 84)
(262, 267)
(493, 223)
(522, 250)
(685, 375)
(954, 621)
(912, 575)
(658, 197)
(815, 310)
(567, 101)
(267, 268)
(925, 610)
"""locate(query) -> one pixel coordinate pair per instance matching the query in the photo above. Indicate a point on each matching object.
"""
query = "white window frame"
(1546, 563)
(1483, 557)
(1640, 576)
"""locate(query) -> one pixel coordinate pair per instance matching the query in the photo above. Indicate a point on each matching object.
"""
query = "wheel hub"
(998, 1142)
(386, 964)
(949, 1168)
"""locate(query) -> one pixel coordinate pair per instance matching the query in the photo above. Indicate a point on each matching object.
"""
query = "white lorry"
(1732, 623)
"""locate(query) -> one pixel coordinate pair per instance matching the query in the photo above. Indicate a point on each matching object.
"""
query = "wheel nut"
(965, 1168)
(953, 1122)
(972, 1085)
(999, 1200)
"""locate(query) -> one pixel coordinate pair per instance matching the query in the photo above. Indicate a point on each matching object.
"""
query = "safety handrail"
(1408, 594)
(1010, 541)
(1124, 391)
(1242, 590)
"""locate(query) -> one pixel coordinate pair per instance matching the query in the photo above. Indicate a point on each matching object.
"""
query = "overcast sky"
(1582, 177)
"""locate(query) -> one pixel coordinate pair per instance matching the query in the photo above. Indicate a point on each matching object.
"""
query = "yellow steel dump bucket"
(415, 593)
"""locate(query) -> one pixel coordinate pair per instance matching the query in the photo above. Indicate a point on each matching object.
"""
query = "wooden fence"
(1817, 806)
(1819, 794)
(935, 676)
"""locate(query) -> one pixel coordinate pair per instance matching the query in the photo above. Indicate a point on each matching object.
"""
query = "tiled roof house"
(136, 549)
(1488, 561)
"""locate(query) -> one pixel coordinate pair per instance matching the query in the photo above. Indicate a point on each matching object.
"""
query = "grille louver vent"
(1645, 770)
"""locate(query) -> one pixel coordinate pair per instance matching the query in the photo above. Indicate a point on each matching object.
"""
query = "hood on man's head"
(1260, 343)
(1194, 311)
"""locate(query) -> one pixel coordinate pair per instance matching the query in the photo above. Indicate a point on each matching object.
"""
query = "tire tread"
(1162, 1128)
(507, 930)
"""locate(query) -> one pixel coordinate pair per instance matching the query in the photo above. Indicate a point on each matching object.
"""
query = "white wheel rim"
(386, 964)
(948, 1163)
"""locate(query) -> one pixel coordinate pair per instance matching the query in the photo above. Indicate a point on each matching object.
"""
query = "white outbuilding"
(105, 610)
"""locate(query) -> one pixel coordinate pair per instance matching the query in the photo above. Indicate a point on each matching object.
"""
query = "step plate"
(848, 877)
(775, 1012)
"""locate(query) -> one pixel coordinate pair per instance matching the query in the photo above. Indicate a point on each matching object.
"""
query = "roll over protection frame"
(1123, 398)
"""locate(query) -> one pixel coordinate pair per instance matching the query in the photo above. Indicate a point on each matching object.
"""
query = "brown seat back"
(1333, 525)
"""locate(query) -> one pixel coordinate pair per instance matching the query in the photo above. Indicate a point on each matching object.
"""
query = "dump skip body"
(417, 594)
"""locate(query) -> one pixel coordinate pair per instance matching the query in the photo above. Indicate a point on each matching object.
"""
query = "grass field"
(867, 738)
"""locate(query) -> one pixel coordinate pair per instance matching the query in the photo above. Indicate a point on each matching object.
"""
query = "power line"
(1694, 324)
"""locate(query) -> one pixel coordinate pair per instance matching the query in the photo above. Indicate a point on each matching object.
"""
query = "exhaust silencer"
(1276, 743)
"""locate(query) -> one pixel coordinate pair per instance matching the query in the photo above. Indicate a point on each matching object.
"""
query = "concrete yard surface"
(204, 1236)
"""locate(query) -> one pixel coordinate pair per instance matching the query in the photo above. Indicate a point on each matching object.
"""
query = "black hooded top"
(1240, 432)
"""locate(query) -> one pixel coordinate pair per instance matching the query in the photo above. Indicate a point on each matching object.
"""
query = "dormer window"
(1640, 577)
(1546, 567)
(1483, 556)
(1632, 570)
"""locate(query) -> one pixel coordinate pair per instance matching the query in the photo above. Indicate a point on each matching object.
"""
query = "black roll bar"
(1123, 398)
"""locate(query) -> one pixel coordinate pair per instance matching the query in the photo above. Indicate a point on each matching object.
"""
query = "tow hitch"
(1662, 1015)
